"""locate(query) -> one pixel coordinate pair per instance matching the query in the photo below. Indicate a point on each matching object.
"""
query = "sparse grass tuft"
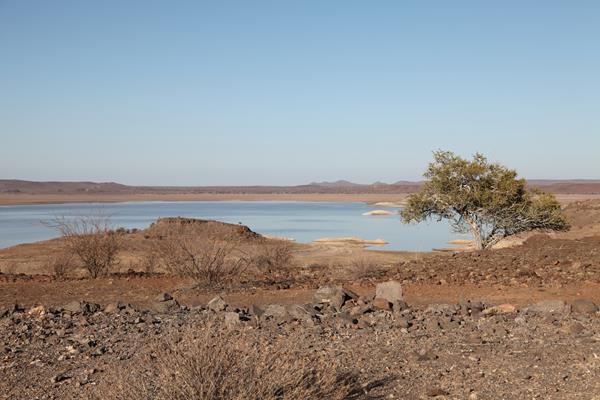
(274, 259)
(208, 364)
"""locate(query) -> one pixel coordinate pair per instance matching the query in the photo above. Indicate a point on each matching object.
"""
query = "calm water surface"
(303, 221)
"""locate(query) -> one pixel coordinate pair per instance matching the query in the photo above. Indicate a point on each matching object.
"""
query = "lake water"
(303, 221)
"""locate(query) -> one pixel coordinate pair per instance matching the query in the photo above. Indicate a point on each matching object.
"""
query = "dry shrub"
(273, 258)
(91, 239)
(61, 264)
(208, 364)
(212, 260)
(362, 268)
(147, 263)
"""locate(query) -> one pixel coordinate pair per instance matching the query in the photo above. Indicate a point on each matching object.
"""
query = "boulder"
(217, 304)
(584, 306)
(390, 291)
(336, 296)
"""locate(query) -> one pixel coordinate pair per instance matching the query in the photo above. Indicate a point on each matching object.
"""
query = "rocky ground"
(469, 350)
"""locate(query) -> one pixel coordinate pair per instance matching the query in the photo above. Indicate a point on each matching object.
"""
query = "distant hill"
(340, 183)
(342, 186)
(20, 186)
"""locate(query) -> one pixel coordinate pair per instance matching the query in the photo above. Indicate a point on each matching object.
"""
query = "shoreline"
(16, 199)
(39, 199)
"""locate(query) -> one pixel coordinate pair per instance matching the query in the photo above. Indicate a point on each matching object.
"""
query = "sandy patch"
(378, 213)
(352, 241)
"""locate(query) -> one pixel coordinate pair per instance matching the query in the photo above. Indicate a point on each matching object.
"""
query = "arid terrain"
(512, 323)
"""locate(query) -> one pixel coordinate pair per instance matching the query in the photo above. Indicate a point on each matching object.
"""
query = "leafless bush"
(207, 364)
(212, 260)
(149, 262)
(60, 264)
(362, 268)
(273, 258)
(90, 239)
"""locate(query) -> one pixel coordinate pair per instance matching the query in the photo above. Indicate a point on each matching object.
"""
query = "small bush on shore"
(91, 239)
(212, 260)
(273, 259)
(61, 264)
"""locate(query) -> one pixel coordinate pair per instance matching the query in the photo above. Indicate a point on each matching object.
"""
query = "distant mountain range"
(576, 186)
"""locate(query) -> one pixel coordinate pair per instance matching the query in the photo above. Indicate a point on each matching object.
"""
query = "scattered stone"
(88, 308)
(232, 319)
(400, 306)
(584, 306)
(299, 312)
(163, 297)
(37, 312)
(217, 304)
(382, 304)
(165, 307)
(61, 377)
(500, 309)
(276, 311)
(436, 392)
(442, 309)
(256, 311)
(113, 308)
(548, 307)
(336, 296)
(73, 307)
(426, 355)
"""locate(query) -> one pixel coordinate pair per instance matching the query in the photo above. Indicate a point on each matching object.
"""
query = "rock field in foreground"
(468, 350)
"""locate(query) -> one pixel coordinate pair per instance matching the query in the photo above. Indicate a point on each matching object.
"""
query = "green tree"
(484, 198)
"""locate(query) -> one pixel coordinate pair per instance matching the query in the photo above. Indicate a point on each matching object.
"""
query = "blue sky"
(282, 92)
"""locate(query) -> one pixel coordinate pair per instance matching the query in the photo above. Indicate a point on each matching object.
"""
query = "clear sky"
(288, 92)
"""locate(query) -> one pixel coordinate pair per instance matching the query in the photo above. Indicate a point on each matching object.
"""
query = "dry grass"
(274, 259)
(61, 264)
(210, 258)
(363, 268)
(212, 364)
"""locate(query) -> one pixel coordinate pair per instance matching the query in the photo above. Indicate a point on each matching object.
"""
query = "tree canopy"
(487, 199)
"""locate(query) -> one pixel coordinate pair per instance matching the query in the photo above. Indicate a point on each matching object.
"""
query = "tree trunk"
(477, 236)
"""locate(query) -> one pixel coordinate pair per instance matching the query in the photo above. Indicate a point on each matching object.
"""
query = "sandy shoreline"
(371, 198)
